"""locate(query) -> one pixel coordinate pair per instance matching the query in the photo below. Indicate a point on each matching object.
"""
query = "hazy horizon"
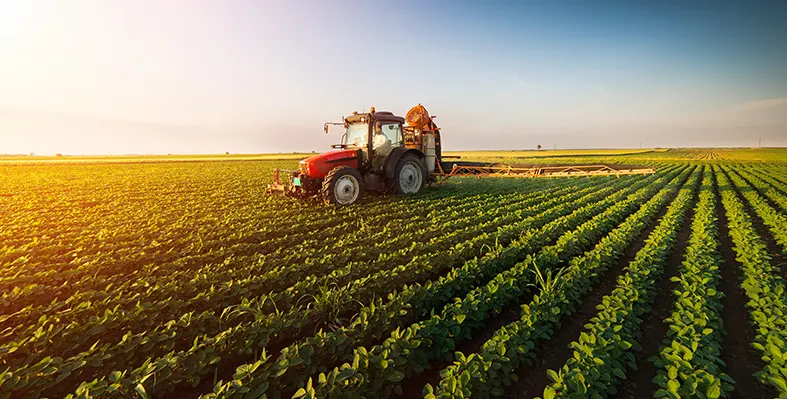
(119, 77)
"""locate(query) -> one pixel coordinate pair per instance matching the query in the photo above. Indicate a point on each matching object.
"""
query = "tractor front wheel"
(342, 186)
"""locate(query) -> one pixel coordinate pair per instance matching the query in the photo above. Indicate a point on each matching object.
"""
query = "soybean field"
(182, 279)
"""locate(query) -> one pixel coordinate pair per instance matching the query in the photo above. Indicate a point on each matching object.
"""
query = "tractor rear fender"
(390, 164)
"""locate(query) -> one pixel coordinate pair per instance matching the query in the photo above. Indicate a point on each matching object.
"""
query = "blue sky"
(95, 76)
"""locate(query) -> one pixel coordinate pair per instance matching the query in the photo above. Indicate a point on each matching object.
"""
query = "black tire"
(342, 186)
(408, 184)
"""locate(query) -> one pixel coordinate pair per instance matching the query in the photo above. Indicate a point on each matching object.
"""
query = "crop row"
(88, 273)
(361, 290)
(602, 353)
(490, 371)
(312, 355)
(70, 333)
(190, 284)
(115, 223)
(376, 372)
(115, 229)
(689, 364)
(259, 333)
(142, 345)
(238, 337)
(775, 221)
(776, 176)
(764, 287)
(772, 188)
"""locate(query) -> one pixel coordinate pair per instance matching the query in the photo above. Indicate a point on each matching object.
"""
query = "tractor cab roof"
(384, 116)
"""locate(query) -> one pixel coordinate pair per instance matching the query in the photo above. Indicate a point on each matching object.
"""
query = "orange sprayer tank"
(419, 118)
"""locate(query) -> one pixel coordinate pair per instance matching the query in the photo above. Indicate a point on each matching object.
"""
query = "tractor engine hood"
(318, 166)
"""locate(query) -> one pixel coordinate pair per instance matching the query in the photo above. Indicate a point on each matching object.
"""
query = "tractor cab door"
(356, 137)
(386, 136)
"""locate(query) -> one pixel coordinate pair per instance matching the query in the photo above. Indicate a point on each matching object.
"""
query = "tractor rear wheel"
(342, 186)
(410, 175)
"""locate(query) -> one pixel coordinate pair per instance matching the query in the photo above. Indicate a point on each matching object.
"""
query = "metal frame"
(540, 171)
(440, 175)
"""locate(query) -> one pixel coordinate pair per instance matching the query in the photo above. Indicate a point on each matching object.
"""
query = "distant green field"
(549, 153)
(286, 156)
(644, 157)
(543, 156)
(149, 158)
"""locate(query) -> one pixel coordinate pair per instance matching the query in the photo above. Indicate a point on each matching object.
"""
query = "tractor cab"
(375, 135)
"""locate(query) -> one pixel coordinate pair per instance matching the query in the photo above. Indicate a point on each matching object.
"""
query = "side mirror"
(325, 127)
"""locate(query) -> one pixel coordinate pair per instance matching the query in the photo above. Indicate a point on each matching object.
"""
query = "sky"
(253, 76)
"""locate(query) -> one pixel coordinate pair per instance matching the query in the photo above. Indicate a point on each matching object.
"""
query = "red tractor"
(378, 152)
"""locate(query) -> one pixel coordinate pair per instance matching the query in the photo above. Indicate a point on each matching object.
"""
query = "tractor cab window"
(393, 131)
(356, 134)
(386, 137)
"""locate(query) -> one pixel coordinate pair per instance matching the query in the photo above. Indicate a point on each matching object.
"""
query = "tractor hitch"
(299, 186)
(277, 187)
